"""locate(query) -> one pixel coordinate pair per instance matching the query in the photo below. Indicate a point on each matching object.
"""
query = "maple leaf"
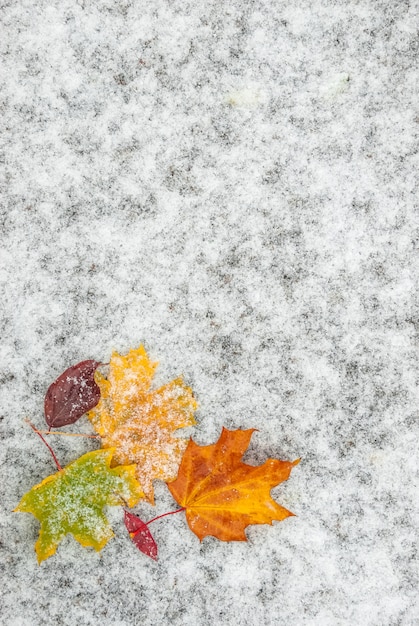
(221, 494)
(139, 422)
(72, 501)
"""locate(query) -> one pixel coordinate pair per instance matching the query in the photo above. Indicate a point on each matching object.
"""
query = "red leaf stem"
(47, 445)
(164, 515)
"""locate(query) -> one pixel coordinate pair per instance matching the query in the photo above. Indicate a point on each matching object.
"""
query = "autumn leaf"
(72, 501)
(72, 394)
(140, 535)
(221, 494)
(139, 422)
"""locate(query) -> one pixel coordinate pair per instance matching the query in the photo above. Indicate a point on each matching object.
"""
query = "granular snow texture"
(232, 184)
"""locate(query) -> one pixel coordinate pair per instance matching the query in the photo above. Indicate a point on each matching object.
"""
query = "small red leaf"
(132, 522)
(140, 535)
(144, 541)
(73, 394)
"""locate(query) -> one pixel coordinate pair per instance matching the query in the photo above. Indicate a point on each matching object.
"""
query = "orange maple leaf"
(221, 494)
(139, 422)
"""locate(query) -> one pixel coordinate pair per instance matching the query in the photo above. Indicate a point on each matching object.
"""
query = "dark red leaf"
(140, 535)
(73, 394)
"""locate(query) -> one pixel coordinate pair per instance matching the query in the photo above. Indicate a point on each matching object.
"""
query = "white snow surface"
(234, 185)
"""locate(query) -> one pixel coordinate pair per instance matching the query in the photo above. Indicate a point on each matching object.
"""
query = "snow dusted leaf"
(139, 422)
(140, 535)
(221, 494)
(72, 501)
(73, 394)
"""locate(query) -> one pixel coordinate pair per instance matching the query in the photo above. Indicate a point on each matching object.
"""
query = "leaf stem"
(164, 515)
(53, 432)
(47, 444)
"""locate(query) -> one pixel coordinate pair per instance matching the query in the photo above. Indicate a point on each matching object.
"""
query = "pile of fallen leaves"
(135, 424)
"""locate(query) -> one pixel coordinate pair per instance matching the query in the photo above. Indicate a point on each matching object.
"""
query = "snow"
(234, 185)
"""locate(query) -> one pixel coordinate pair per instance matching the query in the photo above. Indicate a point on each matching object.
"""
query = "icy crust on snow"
(233, 184)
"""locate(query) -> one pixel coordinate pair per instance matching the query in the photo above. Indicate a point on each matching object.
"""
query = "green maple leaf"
(72, 501)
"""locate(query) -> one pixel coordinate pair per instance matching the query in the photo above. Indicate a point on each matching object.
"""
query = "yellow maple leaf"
(139, 422)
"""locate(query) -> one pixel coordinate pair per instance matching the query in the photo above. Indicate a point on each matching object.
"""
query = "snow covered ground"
(233, 184)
